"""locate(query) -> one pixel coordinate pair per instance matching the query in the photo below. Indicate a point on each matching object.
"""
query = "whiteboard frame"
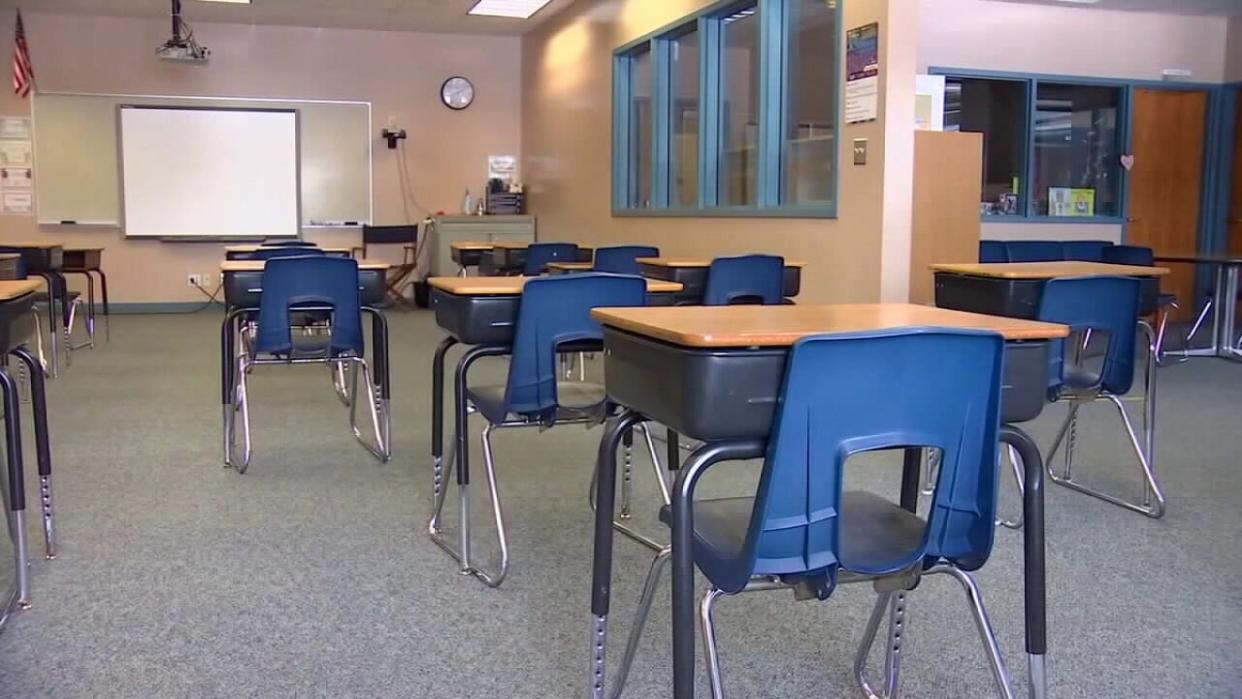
(34, 130)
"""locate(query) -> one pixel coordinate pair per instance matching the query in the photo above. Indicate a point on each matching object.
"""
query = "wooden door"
(1235, 205)
(1166, 184)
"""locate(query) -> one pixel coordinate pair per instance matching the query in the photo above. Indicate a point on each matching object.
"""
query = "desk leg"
(437, 413)
(43, 450)
(103, 292)
(17, 487)
(228, 353)
(911, 471)
(383, 376)
(1034, 566)
(53, 324)
(673, 446)
(601, 569)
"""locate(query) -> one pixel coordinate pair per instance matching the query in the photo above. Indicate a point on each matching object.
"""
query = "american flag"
(23, 72)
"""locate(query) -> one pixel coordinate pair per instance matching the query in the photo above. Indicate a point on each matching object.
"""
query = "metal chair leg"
(617, 524)
(489, 465)
(931, 466)
(996, 661)
(339, 383)
(894, 605)
(640, 619)
(38, 336)
(241, 407)
(707, 612)
(380, 449)
(1017, 468)
(461, 552)
(665, 495)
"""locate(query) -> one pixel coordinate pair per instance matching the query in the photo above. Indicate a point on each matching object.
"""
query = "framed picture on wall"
(1071, 201)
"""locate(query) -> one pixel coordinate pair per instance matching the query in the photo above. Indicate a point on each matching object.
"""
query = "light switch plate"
(860, 151)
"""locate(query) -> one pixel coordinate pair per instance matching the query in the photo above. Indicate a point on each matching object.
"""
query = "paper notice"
(502, 167)
(16, 178)
(15, 154)
(12, 127)
(862, 76)
(17, 203)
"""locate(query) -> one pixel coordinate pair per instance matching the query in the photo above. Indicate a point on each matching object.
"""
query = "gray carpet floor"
(312, 575)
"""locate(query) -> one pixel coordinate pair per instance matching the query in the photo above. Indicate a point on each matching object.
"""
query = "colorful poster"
(1071, 201)
(862, 73)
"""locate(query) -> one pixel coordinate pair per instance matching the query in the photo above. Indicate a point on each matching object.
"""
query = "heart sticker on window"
(1127, 161)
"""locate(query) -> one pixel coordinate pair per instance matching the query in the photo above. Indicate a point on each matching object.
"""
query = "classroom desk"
(16, 327)
(243, 291)
(731, 359)
(244, 252)
(1014, 289)
(692, 273)
(481, 312)
(88, 262)
(1224, 302)
(46, 260)
(9, 265)
(510, 258)
(468, 254)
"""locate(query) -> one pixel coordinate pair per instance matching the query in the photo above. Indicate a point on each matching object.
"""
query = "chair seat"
(576, 398)
(878, 537)
(41, 296)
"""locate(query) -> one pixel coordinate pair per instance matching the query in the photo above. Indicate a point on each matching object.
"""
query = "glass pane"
(640, 130)
(996, 109)
(1077, 150)
(739, 114)
(811, 110)
(685, 121)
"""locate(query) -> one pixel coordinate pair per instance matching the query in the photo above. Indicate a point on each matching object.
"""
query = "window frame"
(773, 50)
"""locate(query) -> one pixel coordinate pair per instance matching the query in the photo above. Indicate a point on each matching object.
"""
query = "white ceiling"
(398, 15)
(1181, 7)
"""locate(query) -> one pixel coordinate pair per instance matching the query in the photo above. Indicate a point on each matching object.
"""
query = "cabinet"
(446, 230)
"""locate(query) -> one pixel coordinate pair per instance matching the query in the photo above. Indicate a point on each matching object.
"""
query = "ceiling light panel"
(518, 9)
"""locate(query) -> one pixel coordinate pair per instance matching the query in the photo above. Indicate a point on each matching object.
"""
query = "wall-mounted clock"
(457, 93)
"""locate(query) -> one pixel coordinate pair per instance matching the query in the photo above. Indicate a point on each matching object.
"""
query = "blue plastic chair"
(993, 251)
(915, 388)
(1140, 256)
(1085, 250)
(1034, 251)
(538, 255)
(1092, 307)
(554, 317)
(293, 288)
(755, 279)
(623, 259)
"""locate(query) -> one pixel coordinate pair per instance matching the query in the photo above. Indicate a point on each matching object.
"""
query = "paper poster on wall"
(13, 127)
(15, 154)
(502, 167)
(17, 203)
(862, 77)
(1071, 201)
(16, 178)
(929, 102)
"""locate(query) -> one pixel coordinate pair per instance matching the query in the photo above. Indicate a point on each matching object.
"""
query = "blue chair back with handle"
(554, 311)
(745, 279)
(276, 253)
(538, 255)
(1085, 250)
(1136, 255)
(1107, 305)
(992, 251)
(293, 282)
(1034, 251)
(920, 387)
(622, 259)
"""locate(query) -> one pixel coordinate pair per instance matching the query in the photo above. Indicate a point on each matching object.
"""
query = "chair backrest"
(1106, 305)
(915, 387)
(538, 255)
(1136, 255)
(1034, 251)
(314, 280)
(622, 259)
(1085, 250)
(394, 235)
(276, 253)
(554, 311)
(288, 244)
(991, 251)
(746, 279)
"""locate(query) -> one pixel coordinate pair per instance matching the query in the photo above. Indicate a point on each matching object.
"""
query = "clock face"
(457, 93)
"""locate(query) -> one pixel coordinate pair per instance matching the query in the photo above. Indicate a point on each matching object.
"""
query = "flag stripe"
(23, 71)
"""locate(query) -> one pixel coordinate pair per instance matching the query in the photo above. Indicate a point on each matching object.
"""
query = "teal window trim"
(774, 18)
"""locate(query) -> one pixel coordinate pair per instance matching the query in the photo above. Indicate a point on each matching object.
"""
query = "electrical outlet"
(194, 280)
(206, 281)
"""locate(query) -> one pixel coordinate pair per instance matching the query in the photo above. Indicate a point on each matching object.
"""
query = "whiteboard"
(200, 172)
(78, 170)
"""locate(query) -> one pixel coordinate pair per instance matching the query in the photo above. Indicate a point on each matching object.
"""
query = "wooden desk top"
(41, 246)
(257, 265)
(1050, 270)
(512, 286)
(471, 246)
(781, 326)
(256, 248)
(523, 246)
(1207, 258)
(696, 262)
(572, 266)
(10, 290)
(82, 249)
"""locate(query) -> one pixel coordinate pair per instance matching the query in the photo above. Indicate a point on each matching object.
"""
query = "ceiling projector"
(182, 46)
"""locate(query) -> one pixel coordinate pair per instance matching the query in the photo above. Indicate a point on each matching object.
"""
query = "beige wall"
(1233, 55)
(567, 117)
(399, 73)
